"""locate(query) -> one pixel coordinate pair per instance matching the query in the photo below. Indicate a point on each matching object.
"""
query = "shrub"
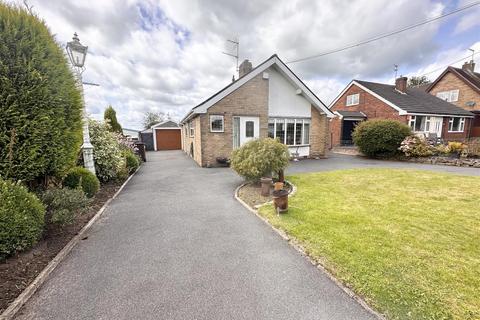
(132, 161)
(107, 153)
(413, 146)
(21, 218)
(260, 157)
(64, 205)
(472, 148)
(41, 106)
(455, 147)
(380, 138)
(81, 177)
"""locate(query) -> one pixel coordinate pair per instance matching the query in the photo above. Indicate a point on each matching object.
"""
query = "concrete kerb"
(29, 291)
(294, 243)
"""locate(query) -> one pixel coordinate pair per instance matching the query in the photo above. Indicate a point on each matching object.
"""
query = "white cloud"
(167, 55)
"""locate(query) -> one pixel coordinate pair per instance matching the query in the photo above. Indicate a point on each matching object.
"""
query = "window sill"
(297, 145)
(456, 131)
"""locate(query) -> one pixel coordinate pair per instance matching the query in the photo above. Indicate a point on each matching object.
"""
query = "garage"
(166, 136)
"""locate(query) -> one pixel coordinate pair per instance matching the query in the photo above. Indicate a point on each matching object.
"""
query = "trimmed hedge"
(21, 218)
(41, 105)
(81, 177)
(259, 158)
(380, 138)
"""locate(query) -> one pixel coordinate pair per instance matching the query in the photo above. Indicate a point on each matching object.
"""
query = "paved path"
(175, 244)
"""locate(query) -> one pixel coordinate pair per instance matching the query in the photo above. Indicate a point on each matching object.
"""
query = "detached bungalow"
(424, 113)
(267, 101)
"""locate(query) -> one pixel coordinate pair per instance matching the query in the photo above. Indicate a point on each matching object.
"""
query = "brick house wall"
(456, 136)
(466, 93)
(319, 134)
(188, 141)
(370, 105)
(251, 99)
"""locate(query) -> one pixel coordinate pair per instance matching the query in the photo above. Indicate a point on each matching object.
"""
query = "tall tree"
(110, 116)
(152, 118)
(40, 102)
(418, 81)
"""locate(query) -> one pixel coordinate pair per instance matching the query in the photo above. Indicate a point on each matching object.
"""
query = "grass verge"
(408, 241)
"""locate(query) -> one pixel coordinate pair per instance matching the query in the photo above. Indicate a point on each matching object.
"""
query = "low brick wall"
(448, 161)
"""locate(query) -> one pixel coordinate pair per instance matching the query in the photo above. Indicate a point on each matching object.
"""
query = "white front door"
(245, 129)
(436, 124)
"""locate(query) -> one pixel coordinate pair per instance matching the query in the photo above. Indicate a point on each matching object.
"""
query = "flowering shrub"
(413, 146)
(107, 152)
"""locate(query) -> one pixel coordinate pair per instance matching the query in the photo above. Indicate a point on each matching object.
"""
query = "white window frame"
(413, 123)
(353, 99)
(449, 95)
(461, 124)
(214, 117)
(191, 128)
(285, 121)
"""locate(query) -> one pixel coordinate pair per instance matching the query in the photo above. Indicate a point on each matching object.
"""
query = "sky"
(166, 55)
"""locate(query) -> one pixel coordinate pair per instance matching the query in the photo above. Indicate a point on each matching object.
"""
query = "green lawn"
(407, 241)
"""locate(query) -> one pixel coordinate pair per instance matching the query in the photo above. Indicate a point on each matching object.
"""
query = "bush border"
(29, 291)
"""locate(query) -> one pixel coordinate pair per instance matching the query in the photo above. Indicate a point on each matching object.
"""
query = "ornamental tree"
(110, 116)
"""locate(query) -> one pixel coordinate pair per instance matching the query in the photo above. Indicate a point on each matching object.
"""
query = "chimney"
(401, 84)
(244, 68)
(469, 66)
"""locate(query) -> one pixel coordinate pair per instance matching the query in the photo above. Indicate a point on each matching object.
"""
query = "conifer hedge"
(40, 103)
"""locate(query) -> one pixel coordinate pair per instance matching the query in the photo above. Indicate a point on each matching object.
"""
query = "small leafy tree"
(418, 81)
(259, 158)
(107, 153)
(380, 138)
(40, 103)
(152, 118)
(110, 117)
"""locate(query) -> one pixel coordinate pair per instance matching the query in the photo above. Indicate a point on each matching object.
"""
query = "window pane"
(236, 132)
(419, 123)
(271, 128)
(280, 131)
(249, 129)
(290, 132)
(306, 133)
(216, 123)
(298, 132)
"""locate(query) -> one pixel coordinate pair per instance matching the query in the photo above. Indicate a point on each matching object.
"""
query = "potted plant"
(280, 200)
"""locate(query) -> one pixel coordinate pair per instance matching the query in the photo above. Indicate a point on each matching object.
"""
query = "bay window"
(292, 132)
(456, 124)
(420, 123)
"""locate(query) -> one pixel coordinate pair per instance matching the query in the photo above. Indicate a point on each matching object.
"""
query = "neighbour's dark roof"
(352, 114)
(166, 124)
(414, 100)
(469, 77)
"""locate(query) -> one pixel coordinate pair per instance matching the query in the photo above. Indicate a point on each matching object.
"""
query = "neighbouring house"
(424, 113)
(266, 101)
(460, 86)
(162, 136)
(131, 133)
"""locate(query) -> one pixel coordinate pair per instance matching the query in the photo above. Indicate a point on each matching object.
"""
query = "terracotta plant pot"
(280, 200)
(266, 184)
(278, 186)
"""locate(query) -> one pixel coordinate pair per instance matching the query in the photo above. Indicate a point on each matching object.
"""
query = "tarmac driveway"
(175, 244)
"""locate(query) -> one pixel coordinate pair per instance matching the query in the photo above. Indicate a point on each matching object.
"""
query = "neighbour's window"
(456, 124)
(449, 96)
(292, 132)
(249, 129)
(420, 123)
(216, 123)
(191, 128)
(353, 99)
